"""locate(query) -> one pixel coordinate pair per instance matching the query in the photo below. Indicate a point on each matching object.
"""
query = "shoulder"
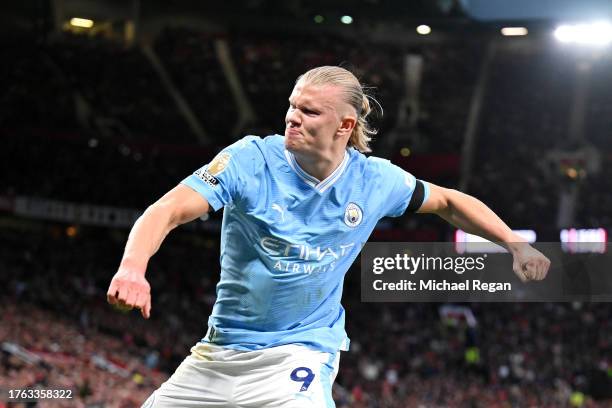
(274, 141)
(377, 163)
(253, 153)
(247, 143)
(381, 170)
(257, 144)
(368, 166)
(251, 147)
(379, 166)
(273, 145)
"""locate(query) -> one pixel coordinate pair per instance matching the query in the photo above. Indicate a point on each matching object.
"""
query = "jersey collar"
(319, 186)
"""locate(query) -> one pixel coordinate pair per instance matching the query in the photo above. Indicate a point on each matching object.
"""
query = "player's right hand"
(130, 289)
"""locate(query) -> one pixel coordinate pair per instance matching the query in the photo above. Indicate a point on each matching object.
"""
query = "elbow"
(444, 206)
(451, 198)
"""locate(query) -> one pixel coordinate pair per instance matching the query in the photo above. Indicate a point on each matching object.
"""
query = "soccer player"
(296, 210)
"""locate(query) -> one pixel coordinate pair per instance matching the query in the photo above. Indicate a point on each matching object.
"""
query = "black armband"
(418, 195)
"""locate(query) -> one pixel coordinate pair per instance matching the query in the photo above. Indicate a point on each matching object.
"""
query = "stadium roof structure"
(295, 10)
(396, 19)
(372, 9)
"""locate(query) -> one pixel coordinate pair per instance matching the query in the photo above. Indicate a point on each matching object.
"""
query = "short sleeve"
(223, 180)
(404, 192)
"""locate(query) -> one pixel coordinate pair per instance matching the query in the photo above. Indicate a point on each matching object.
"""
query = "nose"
(293, 118)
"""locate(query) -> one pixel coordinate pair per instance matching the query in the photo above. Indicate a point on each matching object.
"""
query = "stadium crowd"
(91, 170)
(57, 330)
(53, 307)
(191, 60)
(594, 206)
(527, 103)
(118, 85)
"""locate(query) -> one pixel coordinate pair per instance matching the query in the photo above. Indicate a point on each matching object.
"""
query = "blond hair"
(354, 95)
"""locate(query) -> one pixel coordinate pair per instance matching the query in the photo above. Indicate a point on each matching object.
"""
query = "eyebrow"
(310, 105)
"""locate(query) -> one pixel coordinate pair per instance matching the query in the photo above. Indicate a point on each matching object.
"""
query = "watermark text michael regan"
(412, 264)
(443, 285)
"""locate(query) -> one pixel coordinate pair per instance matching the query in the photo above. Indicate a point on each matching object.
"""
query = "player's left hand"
(529, 263)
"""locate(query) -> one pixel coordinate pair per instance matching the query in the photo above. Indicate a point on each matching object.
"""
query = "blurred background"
(106, 105)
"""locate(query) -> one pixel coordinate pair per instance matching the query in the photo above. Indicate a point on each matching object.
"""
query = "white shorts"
(290, 376)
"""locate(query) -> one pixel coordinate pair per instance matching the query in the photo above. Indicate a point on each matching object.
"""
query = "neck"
(320, 167)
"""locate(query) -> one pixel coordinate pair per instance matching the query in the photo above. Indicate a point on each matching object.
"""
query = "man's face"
(313, 119)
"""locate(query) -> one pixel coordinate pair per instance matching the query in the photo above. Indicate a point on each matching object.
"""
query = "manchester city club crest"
(353, 215)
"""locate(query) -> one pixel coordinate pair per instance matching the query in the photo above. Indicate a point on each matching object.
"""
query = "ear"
(347, 124)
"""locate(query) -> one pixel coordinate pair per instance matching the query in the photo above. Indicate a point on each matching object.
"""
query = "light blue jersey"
(288, 239)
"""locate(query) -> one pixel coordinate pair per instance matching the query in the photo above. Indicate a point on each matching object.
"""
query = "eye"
(310, 112)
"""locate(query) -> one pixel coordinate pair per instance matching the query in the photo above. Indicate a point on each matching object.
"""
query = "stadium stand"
(402, 355)
(57, 330)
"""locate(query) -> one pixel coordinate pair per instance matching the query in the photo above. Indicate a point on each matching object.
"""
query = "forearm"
(146, 236)
(474, 217)
(178, 206)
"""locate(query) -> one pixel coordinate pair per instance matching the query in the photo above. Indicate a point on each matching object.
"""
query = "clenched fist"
(529, 263)
(130, 289)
